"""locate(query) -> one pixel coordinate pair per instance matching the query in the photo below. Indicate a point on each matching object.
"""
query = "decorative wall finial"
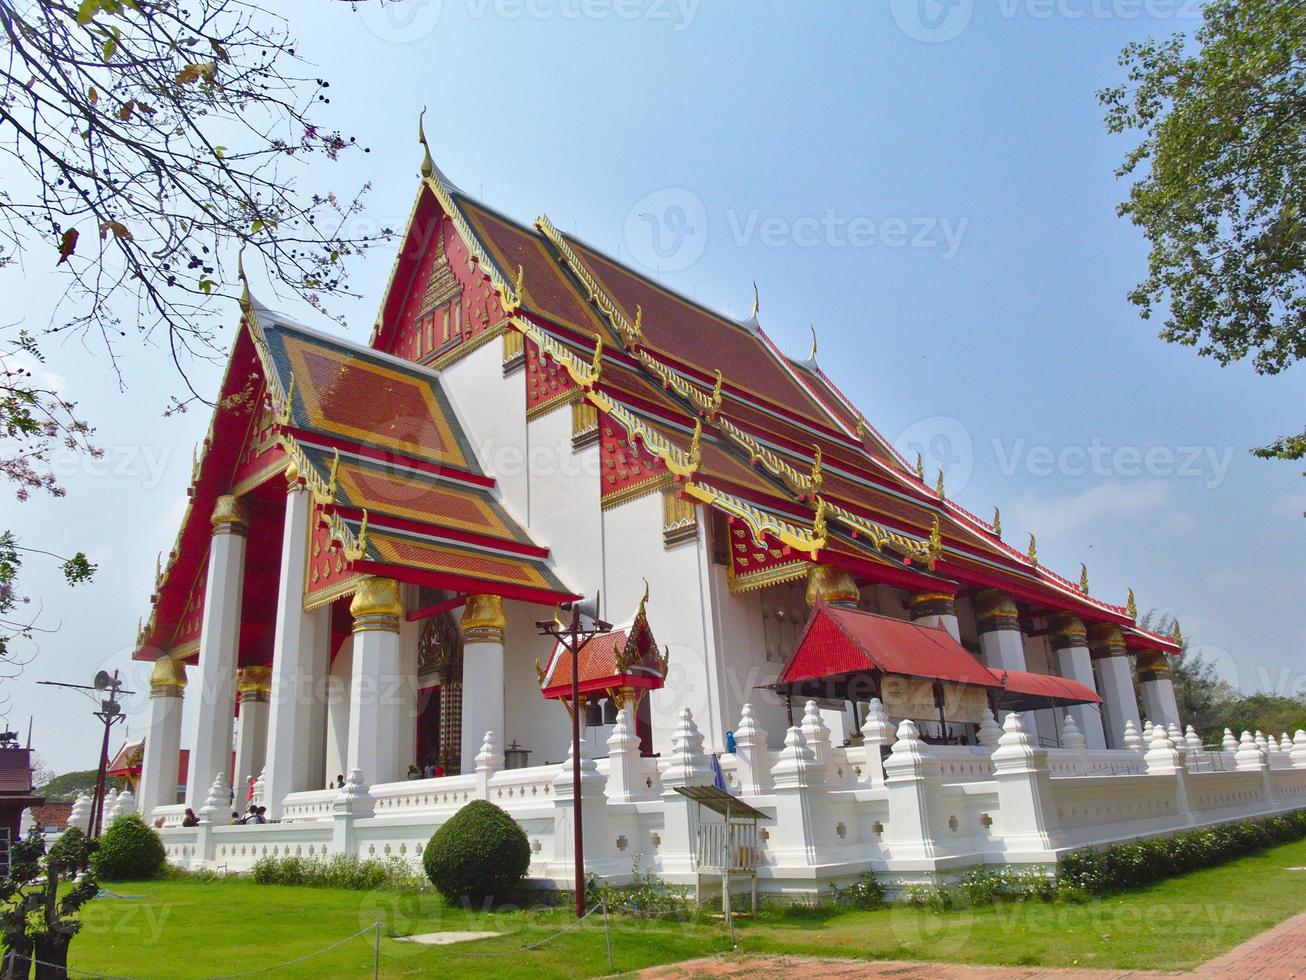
(757, 302)
(1131, 606)
(1033, 549)
(428, 165)
(997, 521)
(1083, 578)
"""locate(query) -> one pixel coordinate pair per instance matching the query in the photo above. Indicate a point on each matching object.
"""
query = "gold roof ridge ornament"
(757, 302)
(817, 479)
(938, 486)
(997, 521)
(1083, 578)
(1176, 633)
(818, 522)
(637, 328)
(284, 409)
(596, 362)
(936, 542)
(631, 335)
(920, 467)
(428, 164)
(812, 357)
(1032, 554)
(335, 468)
(696, 446)
(1131, 606)
(642, 602)
(714, 404)
(246, 301)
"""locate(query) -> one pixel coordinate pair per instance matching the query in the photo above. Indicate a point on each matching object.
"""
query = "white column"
(374, 699)
(1156, 681)
(161, 759)
(251, 728)
(937, 609)
(1115, 681)
(1068, 638)
(483, 625)
(299, 662)
(210, 752)
(1002, 646)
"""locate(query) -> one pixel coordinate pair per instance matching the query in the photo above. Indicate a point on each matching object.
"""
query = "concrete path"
(1279, 954)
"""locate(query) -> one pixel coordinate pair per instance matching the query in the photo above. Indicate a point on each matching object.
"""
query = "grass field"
(191, 929)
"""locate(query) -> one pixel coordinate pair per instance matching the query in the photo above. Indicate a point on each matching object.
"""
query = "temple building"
(375, 530)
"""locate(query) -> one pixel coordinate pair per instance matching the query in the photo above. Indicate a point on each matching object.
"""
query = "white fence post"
(1029, 812)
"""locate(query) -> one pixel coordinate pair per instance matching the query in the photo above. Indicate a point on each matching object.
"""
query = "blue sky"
(930, 186)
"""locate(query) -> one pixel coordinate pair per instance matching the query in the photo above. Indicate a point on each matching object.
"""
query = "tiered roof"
(713, 406)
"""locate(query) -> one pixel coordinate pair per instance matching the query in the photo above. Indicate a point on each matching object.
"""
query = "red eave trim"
(330, 441)
(380, 521)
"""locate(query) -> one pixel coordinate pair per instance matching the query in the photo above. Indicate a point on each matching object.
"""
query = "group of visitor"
(432, 770)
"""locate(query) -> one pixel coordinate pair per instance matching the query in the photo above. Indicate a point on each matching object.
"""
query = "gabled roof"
(624, 656)
(669, 363)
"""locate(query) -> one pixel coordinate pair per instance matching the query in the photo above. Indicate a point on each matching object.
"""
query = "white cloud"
(42, 377)
(1060, 515)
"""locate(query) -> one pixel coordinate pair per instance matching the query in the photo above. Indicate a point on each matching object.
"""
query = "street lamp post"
(106, 687)
(573, 636)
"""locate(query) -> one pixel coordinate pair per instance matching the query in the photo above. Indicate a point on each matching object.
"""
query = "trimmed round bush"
(128, 851)
(480, 853)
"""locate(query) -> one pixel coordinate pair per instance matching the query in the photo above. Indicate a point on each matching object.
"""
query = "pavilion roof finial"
(812, 357)
(428, 164)
(1033, 549)
(757, 303)
(997, 521)
(1132, 606)
(246, 301)
(1083, 578)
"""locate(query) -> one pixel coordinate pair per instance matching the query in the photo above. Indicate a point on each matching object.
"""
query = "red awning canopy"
(1023, 691)
(840, 643)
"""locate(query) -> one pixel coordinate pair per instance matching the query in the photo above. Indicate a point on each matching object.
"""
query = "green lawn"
(183, 928)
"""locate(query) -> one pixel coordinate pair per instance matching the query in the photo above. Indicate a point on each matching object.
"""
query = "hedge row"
(1100, 871)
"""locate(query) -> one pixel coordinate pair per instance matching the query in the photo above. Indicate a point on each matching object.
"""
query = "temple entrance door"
(428, 727)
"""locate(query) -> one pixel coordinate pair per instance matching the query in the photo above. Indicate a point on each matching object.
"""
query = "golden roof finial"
(812, 327)
(920, 466)
(1131, 606)
(1176, 633)
(757, 302)
(696, 445)
(818, 522)
(596, 362)
(936, 541)
(938, 485)
(817, 478)
(861, 427)
(428, 165)
(519, 287)
(1033, 549)
(1083, 578)
(331, 479)
(246, 301)
(997, 521)
(638, 326)
(643, 601)
(714, 405)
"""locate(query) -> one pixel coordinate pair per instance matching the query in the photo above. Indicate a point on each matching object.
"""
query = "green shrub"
(865, 893)
(1100, 871)
(338, 871)
(647, 894)
(480, 853)
(128, 851)
(935, 897)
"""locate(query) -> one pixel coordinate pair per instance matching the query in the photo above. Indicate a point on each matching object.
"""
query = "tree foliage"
(1220, 183)
(40, 900)
(128, 851)
(479, 853)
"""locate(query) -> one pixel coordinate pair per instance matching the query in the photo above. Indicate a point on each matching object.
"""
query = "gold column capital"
(995, 610)
(1067, 630)
(254, 683)
(483, 620)
(229, 515)
(834, 585)
(168, 679)
(1153, 665)
(925, 604)
(376, 604)
(1106, 640)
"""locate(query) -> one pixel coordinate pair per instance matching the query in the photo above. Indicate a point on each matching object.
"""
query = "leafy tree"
(1220, 183)
(146, 144)
(40, 899)
(67, 787)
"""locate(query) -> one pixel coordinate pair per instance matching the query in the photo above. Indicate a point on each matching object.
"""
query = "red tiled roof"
(1024, 691)
(848, 641)
(627, 655)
